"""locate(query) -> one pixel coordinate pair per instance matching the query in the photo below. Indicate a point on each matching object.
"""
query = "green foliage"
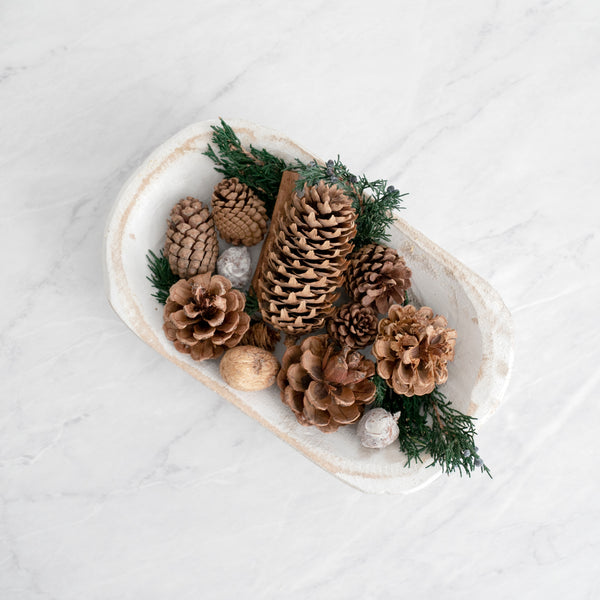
(430, 425)
(251, 303)
(161, 277)
(381, 393)
(258, 169)
(374, 201)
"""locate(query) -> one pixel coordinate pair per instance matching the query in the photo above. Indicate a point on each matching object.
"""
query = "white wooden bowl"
(477, 377)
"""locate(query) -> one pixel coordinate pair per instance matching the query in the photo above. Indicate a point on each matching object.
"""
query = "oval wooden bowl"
(477, 377)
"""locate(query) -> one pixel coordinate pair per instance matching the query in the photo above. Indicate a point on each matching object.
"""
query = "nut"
(378, 428)
(248, 368)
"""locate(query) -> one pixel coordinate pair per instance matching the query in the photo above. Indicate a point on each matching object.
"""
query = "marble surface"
(122, 477)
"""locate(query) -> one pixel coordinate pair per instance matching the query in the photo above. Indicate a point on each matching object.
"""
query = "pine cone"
(192, 246)
(262, 336)
(324, 386)
(377, 275)
(306, 262)
(203, 316)
(412, 350)
(353, 325)
(240, 215)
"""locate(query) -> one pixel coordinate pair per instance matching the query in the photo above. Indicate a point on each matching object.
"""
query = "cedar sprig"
(430, 425)
(258, 169)
(374, 201)
(161, 277)
(381, 391)
(251, 307)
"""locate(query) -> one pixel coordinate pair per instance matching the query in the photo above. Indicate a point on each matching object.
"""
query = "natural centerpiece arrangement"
(358, 348)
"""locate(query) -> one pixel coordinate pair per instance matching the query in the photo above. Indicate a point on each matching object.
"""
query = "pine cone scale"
(240, 215)
(191, 245)
(305, 265)
(324, 386)
(413, 348)
(353, 325)
(377, 277)
(262, 336)
(203, 324)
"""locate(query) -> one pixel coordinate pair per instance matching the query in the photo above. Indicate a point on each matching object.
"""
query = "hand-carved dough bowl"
(477, 377)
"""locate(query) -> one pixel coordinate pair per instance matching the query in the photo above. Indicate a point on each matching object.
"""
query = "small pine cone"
(262, 336)
(240, 215)
(377, 276)
(324, 386)
(203, 316)
(412, 349)
(353, 325)
(192, 246)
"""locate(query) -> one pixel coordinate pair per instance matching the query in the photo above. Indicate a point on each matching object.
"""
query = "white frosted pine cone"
(236, 265)
(378, 428)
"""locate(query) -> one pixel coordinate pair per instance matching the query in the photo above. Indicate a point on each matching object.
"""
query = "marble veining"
(120, 475)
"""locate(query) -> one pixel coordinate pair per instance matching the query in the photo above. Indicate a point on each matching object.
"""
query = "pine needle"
(374, 201)
(430, 425)
(251, 303)
(258, 169)
(161, 277)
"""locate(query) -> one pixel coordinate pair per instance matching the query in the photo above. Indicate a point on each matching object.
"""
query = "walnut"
(248, 368)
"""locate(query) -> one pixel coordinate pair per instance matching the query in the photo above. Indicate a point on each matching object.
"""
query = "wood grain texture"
(286, 187)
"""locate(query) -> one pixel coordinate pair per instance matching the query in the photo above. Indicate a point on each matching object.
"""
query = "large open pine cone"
(307, 260)
(413, 348)
(203, 316)
(191, 246)
(377, 277)
(324, 386)
(353, 325)
(240, 215)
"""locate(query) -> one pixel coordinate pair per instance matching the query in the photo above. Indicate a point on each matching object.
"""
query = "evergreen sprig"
(161, 277)
(430, 425)
(374, 201)
(251, 303)
(258, 169)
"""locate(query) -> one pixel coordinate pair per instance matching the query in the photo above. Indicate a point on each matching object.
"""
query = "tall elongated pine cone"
(413, 348)
(306, 262)
(377, 277)
(324, 386)
(240, 215)
(191, 246)
(353, 325)
(203, 316)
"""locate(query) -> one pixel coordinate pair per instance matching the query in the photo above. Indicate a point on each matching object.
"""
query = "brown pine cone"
(262, 336)
(306, 262)
(412, 349)
(203, 316)
(324, 386)
(353, 325)
(240, 215)
(191, 246)
(377, 276)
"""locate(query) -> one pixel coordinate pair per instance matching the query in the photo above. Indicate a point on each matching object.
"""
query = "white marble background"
(121, 476)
